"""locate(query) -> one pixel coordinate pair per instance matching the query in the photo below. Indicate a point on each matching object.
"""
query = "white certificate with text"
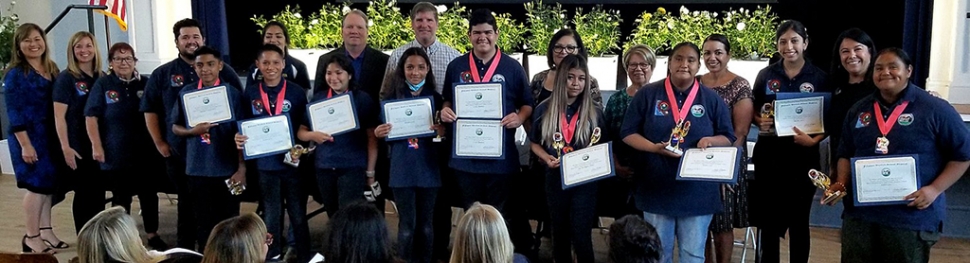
(334, 116)
(409, 117)
(267, 136)
(481, 139)
(587, 165)
(479, 100)
(712, 164)
(804, 113)
(882, 181)
(208, 105)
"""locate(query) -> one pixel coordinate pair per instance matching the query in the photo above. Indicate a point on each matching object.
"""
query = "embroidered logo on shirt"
(697, 111)
(806, 87)
(905, 119)
(287, 105)
(466, 77)
(498, 78)
(773, 86)
(864, 119)
(257, 107)
(177, 80)
(140, 93)
(111, 96)
(662, 109)
(82, 88)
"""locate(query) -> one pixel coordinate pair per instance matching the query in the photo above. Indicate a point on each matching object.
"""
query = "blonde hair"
(238, 239)
(73, 66)
(643, 51)
(19, 61)
(111, 235)
(557, 104)
(482, 237)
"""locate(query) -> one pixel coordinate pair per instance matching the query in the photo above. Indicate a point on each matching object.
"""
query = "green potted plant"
(392, 31)
(511, 35)
(8, 24)
(650, 29)
(543, 21)
(600, 30)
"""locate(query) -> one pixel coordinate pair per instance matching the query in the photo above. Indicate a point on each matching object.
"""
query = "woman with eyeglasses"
(119, 138)
(564, 42)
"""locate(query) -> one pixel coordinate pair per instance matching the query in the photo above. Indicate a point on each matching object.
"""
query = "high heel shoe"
(60, 245)
(28, 249)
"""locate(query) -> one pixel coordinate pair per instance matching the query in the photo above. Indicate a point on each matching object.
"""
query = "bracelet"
(370, 174)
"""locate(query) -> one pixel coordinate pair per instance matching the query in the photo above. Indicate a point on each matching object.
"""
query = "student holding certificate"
(279, 182)
(214, 165)
(908, 121)
(666, 116)
(782, 163)
(345, 162)
(569, 120)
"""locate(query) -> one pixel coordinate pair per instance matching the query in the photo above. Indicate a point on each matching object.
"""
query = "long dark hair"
(565, 32)
(358, 234)
(634, 240)
(344, 63)
(837, 73)
(400, 89)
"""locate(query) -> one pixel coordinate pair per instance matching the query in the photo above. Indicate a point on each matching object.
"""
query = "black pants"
(864, 241)
(89, 188)
(449, 195)
(490, 189)
(213, 203)
(129, 182)
(185, 220)
(527, 200)
(340, 187)
(281, 191)
(415, 232)
(572, 212)
(799, 238)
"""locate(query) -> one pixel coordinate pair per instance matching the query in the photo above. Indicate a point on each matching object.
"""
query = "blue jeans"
(281, 188)
(689, 231)
(415, 234)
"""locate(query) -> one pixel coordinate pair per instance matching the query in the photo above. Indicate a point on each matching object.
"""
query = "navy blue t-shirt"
(930, 128)
(294, 70)
(658, 191)
(163, 89)
(294, 105)
(516, 92)
(347, 150)
(124, 137)
(416, 167)
(218, 157)
(73, 91)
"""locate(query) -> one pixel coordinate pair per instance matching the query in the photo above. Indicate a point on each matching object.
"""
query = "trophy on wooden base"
(823, 182)
(677, 136)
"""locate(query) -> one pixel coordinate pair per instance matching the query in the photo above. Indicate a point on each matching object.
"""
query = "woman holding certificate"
(782, 162)
(345, 156)
(664, 118)
(569, 120)
(919, 146)
(120, 139)
(415, 174)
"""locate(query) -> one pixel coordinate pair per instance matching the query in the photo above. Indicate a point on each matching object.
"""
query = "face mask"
(415, 87)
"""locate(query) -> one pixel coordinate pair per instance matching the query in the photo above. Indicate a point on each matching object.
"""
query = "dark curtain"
(212, 15)
(917, 27)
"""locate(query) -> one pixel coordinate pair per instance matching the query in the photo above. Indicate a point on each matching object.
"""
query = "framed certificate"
(479, 100)
(208, 105)
(804, 113)
(587, 165)
(479, 139)
(714, 164)
(409, 118)
(884, 180)
(267, 136)
(334, 116)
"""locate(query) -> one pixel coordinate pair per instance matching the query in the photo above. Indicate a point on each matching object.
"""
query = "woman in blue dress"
(28, 83)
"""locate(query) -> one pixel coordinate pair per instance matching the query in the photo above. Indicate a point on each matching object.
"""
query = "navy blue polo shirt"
(516, 92)
(772, 80)
(419, 167)
(658, 191)
(357, 63)
(930, 128)
(163, 89)
(124, 137)
(536, 135)
(294, 70)
(73, 91)
(294, 105)
(347, 150)
(219, 157)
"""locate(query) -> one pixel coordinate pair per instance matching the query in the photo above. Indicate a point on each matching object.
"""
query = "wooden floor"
(825, 241)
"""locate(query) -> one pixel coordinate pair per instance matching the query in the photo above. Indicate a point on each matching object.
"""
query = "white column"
(150, 30)
(949, 72)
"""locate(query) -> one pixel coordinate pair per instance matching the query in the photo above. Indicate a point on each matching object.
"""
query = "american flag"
(116, 9)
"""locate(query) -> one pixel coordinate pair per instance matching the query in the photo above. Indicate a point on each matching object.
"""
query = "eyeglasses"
(124, 59)
(568, 49)
(638, 66)
(269, 239)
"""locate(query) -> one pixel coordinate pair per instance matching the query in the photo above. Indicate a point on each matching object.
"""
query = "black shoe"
(157, 243)
(60, 244)
(28, 249)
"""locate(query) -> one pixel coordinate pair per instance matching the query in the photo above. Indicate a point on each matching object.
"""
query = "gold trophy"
(823, 182)
(437, 121)
(293, 157)
(768, 111)
(677, 136)
(597, 134)
(235, 188)
(558, 144)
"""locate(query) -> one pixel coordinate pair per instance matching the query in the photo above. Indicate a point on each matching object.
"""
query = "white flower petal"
(441, 8)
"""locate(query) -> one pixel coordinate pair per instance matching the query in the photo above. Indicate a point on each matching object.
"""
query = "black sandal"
(28, 249)
(60, 245)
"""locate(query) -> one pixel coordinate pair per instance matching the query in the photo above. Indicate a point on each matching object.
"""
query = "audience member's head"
(358, 234)
(482, 237)
(111, 236)
(241, 239)
(633, 240)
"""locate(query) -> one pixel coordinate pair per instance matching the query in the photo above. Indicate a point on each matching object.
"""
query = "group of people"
(108, 131)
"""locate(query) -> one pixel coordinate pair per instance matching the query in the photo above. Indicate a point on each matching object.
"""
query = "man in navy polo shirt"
(160, 94)
(909, 121)
(210, 150)
(483, 180)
